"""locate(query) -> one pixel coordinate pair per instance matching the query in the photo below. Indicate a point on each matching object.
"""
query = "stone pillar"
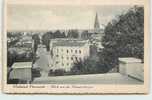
(132, 67)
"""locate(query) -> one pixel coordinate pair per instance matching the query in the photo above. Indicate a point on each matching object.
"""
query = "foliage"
(46, 39)
(73, 34)
(36, 39)
(88, 66)
(124, 37)
(26, 56)
(14, 34)
(11, 57)
(50, 35)
(35, 73)
(14, 38)
(85, 35)
(57, 72)
(58, 34)
(13, 54)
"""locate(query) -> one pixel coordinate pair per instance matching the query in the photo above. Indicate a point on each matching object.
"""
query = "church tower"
(96, 24)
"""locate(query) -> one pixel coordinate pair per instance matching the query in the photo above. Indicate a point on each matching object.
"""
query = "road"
(42, 62)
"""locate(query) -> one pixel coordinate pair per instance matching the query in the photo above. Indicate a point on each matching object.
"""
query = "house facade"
(66, 52)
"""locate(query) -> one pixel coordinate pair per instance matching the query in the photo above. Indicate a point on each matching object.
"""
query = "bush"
(36, 73)
(57, 72)
(89, 66)
(51, 73)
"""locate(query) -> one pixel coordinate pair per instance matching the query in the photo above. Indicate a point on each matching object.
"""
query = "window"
(67, 64)
(67, 51)
(62, 57)
(62, 50)
(57, 50)
(67, 58)
(57, 55)
(62, 64)
(75, 51)
(71, 50)
(80, 51)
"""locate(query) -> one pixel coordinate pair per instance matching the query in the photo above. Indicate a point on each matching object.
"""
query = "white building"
(65, 52)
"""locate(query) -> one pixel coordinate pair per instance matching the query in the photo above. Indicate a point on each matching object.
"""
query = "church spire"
(96, 24)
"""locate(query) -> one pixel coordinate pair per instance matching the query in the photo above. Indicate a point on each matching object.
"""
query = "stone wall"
(132, 67)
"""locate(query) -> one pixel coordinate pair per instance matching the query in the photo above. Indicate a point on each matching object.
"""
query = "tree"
(11, 57)
(73, 34)
(124, 37)
(88, 66)
(36, 39)
(85, 35)
(49, 35)
(63, 35)
(46, 39)
(59, 34)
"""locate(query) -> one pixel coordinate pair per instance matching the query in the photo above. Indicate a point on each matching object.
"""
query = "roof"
(67, 39)
(69, 42)
(22, 65)
(130, 60)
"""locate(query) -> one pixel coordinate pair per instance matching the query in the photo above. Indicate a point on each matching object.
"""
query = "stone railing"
(132, 67)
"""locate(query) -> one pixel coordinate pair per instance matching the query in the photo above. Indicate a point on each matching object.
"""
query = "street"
(42, 62)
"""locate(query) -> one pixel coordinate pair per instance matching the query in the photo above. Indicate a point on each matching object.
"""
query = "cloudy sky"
(41, 17)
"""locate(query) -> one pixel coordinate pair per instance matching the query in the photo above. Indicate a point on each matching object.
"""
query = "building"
(21, 71)
(96, 24)
(66, 52)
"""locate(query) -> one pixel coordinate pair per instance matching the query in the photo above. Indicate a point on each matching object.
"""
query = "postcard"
(76, 46)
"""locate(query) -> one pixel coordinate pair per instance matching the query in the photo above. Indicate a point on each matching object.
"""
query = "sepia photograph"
(75, 47)
(75, 44)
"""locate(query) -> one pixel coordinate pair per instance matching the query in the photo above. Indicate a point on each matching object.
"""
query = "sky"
(45, 17)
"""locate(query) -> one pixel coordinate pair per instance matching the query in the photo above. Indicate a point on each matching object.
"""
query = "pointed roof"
(96, 24)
